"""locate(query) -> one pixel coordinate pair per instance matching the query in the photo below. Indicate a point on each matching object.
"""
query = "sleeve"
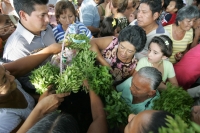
(88, 16)
(9, 121)
(140, 64)
(125, 84)
(84, 30)
(55, 33)
(171, 72)
(166, 19)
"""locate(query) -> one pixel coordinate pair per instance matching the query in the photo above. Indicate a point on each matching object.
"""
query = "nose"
(46, 18)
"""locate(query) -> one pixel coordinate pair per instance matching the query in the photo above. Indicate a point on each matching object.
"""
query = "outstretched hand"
(51, 102)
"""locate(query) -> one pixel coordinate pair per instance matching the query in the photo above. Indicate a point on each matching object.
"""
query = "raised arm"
(45, 106)
(99, 44)
(26, 64)
(99, 124)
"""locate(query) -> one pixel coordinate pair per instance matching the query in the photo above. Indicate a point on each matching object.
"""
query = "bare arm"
(99, 124)
(172, 80)
(26, 64)
(98, 44)
(93, 29)
(45, 106)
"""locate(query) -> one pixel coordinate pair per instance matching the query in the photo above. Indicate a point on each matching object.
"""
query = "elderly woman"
(140, 90)
(181, 31)
(118, 53)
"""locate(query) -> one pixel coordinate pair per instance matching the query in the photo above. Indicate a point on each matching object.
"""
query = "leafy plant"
(177, 125)
(176, 101)
(42, 77)
(116, 108)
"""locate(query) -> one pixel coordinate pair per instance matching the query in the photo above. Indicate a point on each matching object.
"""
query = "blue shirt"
(59, 32)
(89, 14)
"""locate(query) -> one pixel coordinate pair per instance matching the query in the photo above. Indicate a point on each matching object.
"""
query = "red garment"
(168, 21)
(188, 68)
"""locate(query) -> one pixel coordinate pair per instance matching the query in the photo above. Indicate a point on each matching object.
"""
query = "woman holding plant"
(118, 53)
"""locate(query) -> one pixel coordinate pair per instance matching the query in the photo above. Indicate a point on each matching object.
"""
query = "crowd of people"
(144, 43)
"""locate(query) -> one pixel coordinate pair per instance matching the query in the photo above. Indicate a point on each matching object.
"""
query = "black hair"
(56, 123)
(28, 5)
(165, 44)
(155, 5)
(134, 35)
(166, 3)
(157, 120)
(179, 4)
(108, 26)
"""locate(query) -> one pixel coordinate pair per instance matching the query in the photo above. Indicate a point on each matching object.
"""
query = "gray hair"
(56, 123)
(187, 12)
(153, 75)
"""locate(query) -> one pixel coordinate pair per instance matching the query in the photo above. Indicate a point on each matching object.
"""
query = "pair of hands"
(49, 102)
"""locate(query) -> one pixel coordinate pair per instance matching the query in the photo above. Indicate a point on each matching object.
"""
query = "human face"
(37, 21)
(6, 27)
(196, 23)
(140, 86)
(126, 51)
(7, 82)
(66, 18)
(186, 24)
(155, 54)
(145, 16)
(137, 122)
(171, 8)
(130, 9)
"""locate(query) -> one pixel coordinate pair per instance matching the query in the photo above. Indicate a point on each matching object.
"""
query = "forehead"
(144, 7)
(66, 11)
(128, 45)
(39, 9)
(155, 46)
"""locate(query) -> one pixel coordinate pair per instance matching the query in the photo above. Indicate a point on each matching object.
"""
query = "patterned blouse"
(121, 71)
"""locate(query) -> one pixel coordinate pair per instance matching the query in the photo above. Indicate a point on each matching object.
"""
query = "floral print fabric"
(121, 70)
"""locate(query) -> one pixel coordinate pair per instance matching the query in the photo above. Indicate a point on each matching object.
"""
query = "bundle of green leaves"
(44, 76)
(176, 101)
(177, 125)
(116, 108)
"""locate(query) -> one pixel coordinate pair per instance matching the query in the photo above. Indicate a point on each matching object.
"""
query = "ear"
(151, 93)
(23, 15)
(155, 15)
(164, 57)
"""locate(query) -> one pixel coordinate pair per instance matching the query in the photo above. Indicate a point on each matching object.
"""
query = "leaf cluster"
(177, 125)
(42, 77)
(117, 109)
(176, 101)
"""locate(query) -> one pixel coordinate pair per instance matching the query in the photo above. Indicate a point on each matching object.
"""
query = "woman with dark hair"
(147, 121)
(118, 53)
(181, 31)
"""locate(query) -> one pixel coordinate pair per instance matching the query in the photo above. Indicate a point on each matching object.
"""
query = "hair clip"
(113, 22)
(166, 43)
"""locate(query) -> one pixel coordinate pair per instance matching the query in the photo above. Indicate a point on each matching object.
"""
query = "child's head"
(65, 13)
(161, 47)
(174, 6)
(108, 27)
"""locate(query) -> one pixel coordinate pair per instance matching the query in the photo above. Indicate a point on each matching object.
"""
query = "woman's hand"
(108, 12)
(178, 56)
(50, 102)
(48, 92)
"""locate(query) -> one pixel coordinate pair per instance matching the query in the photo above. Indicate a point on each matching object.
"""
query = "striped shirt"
(179, 45)
(59, 32)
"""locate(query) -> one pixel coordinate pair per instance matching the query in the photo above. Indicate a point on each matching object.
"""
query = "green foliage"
(176, 101)
(116, 109)
(70, 80)
(101, 87)
(177, 125)
(42, 77)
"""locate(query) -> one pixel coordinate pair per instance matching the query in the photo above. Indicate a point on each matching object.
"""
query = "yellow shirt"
(179, 45)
